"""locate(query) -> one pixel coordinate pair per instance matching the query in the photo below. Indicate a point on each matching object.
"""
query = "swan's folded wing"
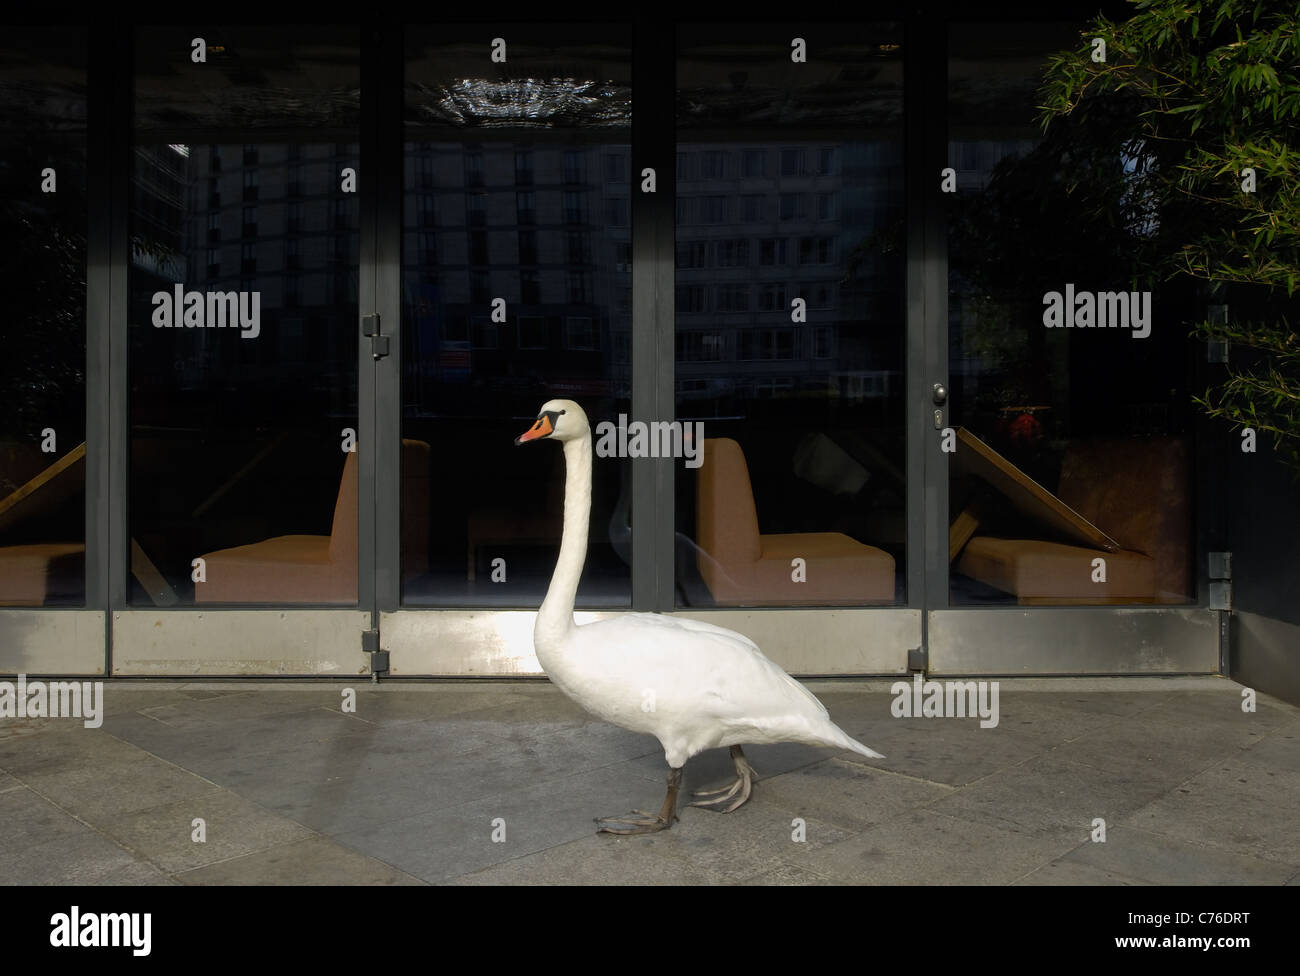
(701, 627)
(731, 676)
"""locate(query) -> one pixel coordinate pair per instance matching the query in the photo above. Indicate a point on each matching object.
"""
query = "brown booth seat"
(741, 566)
(320, 568)
(34, 573)
(1136, 492)
(27, 573)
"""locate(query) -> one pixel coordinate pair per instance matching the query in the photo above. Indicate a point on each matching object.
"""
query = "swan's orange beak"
(540, 429)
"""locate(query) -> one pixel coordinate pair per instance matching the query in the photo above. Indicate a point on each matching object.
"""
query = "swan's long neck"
(555, 619)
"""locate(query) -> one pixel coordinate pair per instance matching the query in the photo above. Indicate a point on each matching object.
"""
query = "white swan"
(691, 685)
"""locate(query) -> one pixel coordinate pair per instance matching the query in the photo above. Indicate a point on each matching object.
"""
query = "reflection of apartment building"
(159, 182)
(271, 218)
(761, 225)
(544, 226)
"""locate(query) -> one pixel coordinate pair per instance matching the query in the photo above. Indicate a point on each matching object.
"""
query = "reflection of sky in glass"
(1144, 218)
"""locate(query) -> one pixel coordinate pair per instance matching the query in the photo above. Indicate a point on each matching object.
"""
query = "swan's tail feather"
(843, 740)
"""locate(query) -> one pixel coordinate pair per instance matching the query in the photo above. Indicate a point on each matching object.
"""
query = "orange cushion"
(288, 569)
(25, 571)
(291, 568)
(1053, 570)
(741, 567)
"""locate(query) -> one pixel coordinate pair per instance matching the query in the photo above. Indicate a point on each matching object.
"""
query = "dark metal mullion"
(653, 145)
(99, 127)
(381, 182)
(108, 428)
(388, 301)
(925, 155)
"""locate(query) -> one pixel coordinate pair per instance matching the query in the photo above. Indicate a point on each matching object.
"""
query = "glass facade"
(790, 325)
(818, 240)
(43, 331)
(1068, 367)
(242, 320)
(517, 289)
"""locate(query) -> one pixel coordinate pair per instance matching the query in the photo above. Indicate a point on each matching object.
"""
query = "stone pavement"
(411, 787)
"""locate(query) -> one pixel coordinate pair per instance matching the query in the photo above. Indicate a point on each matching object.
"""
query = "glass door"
(244, 444)
(764, 438)
(516, 288)
(791, 338)
(49, 624)
(1070, 434)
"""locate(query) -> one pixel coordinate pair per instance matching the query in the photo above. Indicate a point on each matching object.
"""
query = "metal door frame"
(1011, 639)
(807, 641)
(243, 641)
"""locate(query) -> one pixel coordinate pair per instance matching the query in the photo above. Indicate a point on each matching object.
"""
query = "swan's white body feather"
(692, 685)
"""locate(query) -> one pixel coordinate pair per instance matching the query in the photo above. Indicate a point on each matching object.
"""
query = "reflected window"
(242, 318)
(800, 497)
(555, 246)
(1070, 483)
(43, 329)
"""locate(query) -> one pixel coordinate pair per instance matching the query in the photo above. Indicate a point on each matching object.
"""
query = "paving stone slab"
(788, 875)
(1235, 806)
(28, 819)
(1047, 794)
(951, 751)
(106, 791)
(1068, 872)
(702, 849)
(923, 848)
(316, 861)
(848, 795)
(390, 708)
(1049, 719)
(453, 840)
(87, 858)
(63, 750)
(1163, 752)
(232, 826)
(1157, 859)
(1280, 749)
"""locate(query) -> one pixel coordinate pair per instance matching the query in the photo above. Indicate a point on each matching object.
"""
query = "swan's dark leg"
(647, 823)
(743, 785)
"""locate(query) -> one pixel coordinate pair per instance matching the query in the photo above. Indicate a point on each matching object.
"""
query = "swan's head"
(558, 420)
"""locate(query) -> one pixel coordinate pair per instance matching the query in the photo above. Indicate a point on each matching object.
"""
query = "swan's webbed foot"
(744, 785)
(636, 822)
(640, 822)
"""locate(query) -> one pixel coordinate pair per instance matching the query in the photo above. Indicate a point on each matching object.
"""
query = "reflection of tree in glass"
(1076, 208)
(1216, 92)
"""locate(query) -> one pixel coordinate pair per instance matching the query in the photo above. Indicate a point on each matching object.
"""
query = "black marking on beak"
(544, 427)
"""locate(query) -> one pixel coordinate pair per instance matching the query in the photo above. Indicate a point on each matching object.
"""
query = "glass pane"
(243, 316)
(790, 316)
(1070, 483)
(517, 288)
(43, 329)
